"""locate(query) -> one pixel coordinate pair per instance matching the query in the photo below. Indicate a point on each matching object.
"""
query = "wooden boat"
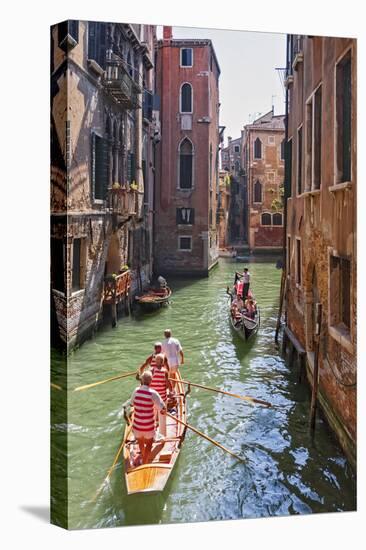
(154, 297)
(246, 327)
(153, 476)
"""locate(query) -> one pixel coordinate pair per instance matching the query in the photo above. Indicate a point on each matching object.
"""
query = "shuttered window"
(344, 118)
(100, 167)
(97, 36)
(131, 167)
(299, 161)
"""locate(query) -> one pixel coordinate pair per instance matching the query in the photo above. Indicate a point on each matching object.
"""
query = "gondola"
(153, 476)
(246, 327)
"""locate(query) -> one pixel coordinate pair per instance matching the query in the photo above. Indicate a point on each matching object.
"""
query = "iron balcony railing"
(120, 83)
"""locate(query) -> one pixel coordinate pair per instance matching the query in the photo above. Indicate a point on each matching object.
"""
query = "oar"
(80, 388)
(109, 473)
(55, 386)
(206, 437)
(242, 397)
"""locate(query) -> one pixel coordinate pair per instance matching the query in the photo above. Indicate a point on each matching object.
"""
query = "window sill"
(311, 193)
(346, 185)
(185, 190)
(95, 67)
(99, 201)
(59, 293)
(342, 335)
(77, 293)
(184, 250)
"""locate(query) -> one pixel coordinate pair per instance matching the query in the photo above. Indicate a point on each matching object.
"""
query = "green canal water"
(285, 471)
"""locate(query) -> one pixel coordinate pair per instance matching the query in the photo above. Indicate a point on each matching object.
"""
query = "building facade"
(104, 124)
(231, 161)
(321, 178)
(223, 209)
(186, 239)
(263, 164)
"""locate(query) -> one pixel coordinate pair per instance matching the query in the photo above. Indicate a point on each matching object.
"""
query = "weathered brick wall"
(325, 222)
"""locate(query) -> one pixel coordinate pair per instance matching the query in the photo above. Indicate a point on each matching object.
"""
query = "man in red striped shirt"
(160, 383)
(144, 400)
(151, 360)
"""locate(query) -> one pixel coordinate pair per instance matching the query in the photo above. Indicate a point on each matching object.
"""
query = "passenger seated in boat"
(161, 383)
(237, 306)
(151, 360)
(250, 308)
(144, 400)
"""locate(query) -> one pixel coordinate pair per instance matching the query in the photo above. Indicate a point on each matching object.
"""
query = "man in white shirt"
(246, 281)
(172, 349)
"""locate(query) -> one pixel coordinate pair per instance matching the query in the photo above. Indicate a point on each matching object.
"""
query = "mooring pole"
(314, 392)
(282, 294)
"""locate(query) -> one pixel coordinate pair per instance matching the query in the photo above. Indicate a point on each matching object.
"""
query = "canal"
(285, 471)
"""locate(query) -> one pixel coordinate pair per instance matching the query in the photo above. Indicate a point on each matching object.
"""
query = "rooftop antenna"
(273, 104)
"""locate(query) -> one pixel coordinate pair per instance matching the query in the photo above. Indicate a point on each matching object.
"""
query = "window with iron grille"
(257, 149)
(186, 165)
(186, 57)
(185, 216)
(186, 98)
(340, 291)
(97, 42)
(185, 243)
(344, 118)
(99, 167)
(257, 191)
(266, 219)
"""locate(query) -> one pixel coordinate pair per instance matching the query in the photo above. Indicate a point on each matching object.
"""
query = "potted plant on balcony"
(124, 268)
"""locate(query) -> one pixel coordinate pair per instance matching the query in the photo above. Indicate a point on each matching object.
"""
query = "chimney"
(167, 33)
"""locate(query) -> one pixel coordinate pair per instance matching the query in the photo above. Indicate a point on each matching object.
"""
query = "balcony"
(123, 202)
(120, 84)
(116, 287)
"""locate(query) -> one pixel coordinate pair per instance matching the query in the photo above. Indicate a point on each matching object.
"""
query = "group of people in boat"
(156, 392)
(243, 302)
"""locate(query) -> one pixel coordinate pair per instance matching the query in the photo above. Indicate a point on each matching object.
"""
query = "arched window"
(257, 149)
(266, 219)
(257, 191)
(277, 218)
(185, 165)
(186, 98)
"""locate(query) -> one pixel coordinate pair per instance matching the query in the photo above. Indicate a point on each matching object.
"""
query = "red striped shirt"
(158, 382)
(144, 418)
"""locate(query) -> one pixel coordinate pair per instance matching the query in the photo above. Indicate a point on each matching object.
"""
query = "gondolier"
(144, 400)
(245, 276)
(151, 360)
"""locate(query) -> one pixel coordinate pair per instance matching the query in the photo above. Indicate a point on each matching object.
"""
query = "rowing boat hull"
(247, 329)
(153, 477)
(151, 301)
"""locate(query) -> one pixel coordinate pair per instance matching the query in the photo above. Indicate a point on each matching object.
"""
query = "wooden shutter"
(101, 168)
